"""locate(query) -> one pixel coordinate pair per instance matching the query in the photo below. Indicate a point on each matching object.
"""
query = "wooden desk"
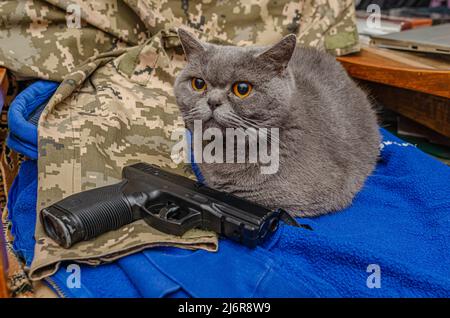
(3, 255)
(3, 85)
(414, 85)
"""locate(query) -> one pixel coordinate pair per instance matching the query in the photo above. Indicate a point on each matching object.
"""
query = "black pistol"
(168, 202)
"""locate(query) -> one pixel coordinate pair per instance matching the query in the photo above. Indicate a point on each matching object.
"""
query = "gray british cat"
(328, 133)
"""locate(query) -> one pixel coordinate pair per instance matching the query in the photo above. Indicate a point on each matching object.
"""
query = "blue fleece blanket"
(393, 241)
(24, 114)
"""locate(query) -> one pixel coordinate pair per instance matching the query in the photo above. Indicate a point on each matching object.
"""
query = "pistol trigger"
(170, 211)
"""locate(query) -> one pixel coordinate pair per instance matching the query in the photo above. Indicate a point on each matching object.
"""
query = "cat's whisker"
(250, 123)
(264, 133)
(193, 114)
(253, 121)
(234, 120)
(244, 124)
(261, 133)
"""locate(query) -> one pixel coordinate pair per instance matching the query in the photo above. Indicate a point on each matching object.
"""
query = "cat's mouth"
(213, 122)
(210, 122)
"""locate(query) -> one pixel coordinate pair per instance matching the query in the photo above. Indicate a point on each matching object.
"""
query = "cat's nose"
(214, 102)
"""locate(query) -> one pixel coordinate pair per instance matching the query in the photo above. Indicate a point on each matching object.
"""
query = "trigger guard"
(174, 227)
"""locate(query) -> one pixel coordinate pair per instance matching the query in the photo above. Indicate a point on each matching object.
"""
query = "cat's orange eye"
(242, 89)
(198, 84)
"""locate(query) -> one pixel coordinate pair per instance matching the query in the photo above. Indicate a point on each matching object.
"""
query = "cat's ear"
(191, 45)
(278, 55)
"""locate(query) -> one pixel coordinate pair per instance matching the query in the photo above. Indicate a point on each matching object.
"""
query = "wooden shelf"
(400, 69)
(414, 85)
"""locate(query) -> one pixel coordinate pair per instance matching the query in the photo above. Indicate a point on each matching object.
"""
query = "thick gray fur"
(329, 137)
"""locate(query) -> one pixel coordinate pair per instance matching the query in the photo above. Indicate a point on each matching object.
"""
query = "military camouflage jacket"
(117, 60)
